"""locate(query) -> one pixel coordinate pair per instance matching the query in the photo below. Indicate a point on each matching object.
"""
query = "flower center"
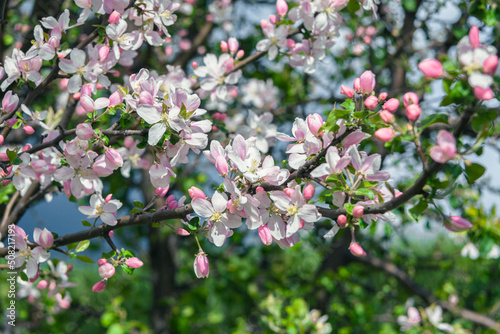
(292, 210)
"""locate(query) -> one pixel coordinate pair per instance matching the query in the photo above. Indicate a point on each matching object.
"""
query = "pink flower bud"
(201, 265)
(384, 134)
(259, 189)
(77, 95)
(84, 131)
(29, 130)
(367, 82)
(357, 85)
(114, 17)
(458, 224)
(265, 235)
(4, 157)
(371, 102)
(45, 238)
(309, 192)
(10, 122)
(194, 64)
(264, 24)
(196, 193)
(113, 157)
(382, 96)
(223, 46)
(183, 232)
(221, 165)
(474, 36)
(413, 112)
(233, 44)
(99, 86)
(103, 53)
(108, 198)
(162, 191)
(86, 90)
(273, 19)
(134, 262)
(128, 142)
(483, 93)
(111, 234)
(358, 211)
(347, 91)
(27, 147)
(42, 285)
(387, 116)
(240, 54)
(2, 139)
(281, 8)
(314, 122)
(431, 68)
(356, 249)
(106, 270)
(289, 191)
(5, 183)
(101, 262)
(99, 286)
(391, 105)
(410, 98)
(490, 64)
(290, 43)
(342, 221)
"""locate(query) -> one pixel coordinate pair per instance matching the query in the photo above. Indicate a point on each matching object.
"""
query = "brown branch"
(426, 295)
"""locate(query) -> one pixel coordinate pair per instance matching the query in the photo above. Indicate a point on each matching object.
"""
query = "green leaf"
(138, 204)
(134, 210)
(17, 125)
(473, 172)
(333, 116)
(127, 269)
(363, 224)
(126, 120)
(349, 207)
(410, 5)
(86, 223)
(84, 258)
(353, 6)
(436, 118)
(12, 155)
(417, 210)
(82, 245)
(366, 192)
(108, 255)
(23, 276)
(349, 105)
(71, 245)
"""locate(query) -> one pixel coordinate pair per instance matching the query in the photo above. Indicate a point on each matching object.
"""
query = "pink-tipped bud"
(391, 105)
(483, 93)
(114, 157)
(196, 193)
(458, 224)
(342, 221)
(2, 139)
(100, 262)
(114, 17)
(5, 183)
(86, 90)
(182, 232)
(265, 235)
(273, 19)
(357, 85)
(107, 270)
(99, 286)
(134, 262)
(108, 198)
(259, 189)
(290, 43)
(240, 54)
(223, 46)
(201, 265)
(233, 44)
(431, 68)
(358, 211)
(77, 95)
(42, 285)
(413, 112)
(490, 65)
(356, 249)
(281, 8)
(221, 165)
(384, 134)
(387, 116)
(289, 191)
(371, 102)
(410, 98)
(347, 91)
(4, 157)
(27, 147)
(309, 192)
(194, 64)
(264, 24)
(103, 53)
(161, 191)
(10, 122)
(314, 122)
(128, 142)
(45, 238)
(474, 36)
(367, 82)
(29, 130)
(382, 96)
(84, 131)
